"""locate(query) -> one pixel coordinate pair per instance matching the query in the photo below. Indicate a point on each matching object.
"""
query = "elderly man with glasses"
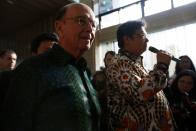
(52, 91)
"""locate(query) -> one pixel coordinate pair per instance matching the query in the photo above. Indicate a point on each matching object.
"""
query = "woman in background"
(182, 99)
(184, 63)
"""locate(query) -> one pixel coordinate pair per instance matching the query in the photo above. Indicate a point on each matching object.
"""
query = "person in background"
(8, 59)
(43, 42)
(184, 63)
(52, 91)
(135, 99)
(108, 57)
(100, 84)
(99, 78)
(182, 99)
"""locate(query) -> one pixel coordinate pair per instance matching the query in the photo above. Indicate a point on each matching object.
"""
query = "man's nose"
(91, 27)
(147, 39)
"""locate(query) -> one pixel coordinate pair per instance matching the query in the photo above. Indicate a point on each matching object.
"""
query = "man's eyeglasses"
(141, 35)
(83, 21)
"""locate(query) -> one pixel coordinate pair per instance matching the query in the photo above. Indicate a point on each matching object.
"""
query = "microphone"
(155, 50)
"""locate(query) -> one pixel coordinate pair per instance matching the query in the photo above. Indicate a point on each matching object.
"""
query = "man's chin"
(86, 45)
(86, 48)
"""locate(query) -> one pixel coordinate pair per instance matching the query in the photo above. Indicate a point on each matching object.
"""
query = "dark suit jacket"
(51, 92)
(4, 85)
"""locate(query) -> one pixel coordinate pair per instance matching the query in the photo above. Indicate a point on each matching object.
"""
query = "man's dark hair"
(3, 52)
(42, 37)
(128, 29)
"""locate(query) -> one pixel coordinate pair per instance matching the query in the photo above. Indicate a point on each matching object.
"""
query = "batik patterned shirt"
(135, 98)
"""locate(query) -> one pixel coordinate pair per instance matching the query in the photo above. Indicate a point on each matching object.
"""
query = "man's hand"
(164, 57)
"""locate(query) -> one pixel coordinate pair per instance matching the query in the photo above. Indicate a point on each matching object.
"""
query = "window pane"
(156, 6)
(120, 3)
(130, 13)
(105, 5)
(110, 20)
(96, 8)
(178, 3)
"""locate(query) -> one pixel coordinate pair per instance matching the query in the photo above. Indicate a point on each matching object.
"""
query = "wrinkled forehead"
(80, 10)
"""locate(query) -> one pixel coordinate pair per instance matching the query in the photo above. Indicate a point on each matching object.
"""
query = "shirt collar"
(130, 55)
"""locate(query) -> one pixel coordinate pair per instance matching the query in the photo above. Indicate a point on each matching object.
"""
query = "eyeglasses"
(141, 35)
(83, 21)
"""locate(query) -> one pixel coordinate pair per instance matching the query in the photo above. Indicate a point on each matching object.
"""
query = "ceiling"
(15, 14)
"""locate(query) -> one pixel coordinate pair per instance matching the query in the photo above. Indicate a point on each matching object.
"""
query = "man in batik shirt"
(135, 98)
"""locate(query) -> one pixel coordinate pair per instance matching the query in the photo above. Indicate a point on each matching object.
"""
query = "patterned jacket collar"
(130, 56)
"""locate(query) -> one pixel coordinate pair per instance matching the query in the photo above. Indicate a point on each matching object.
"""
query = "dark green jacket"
(51, 92)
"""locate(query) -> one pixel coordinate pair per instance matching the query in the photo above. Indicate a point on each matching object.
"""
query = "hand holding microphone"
(163, 58)
(155, 50)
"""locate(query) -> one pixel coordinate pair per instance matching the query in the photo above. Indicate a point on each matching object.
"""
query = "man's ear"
(126, 39)
(58, 27)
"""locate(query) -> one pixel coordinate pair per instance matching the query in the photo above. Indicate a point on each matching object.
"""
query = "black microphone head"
(153, 49)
